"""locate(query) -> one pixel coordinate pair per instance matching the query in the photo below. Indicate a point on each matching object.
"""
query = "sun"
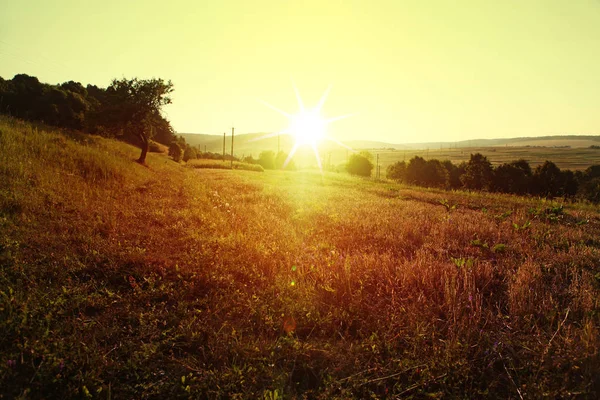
(307, 126)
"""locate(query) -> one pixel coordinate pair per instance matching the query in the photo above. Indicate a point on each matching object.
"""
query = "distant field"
(574, 143)
(565, 158)
(123, 281)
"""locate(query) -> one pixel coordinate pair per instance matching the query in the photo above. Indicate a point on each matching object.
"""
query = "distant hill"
(250, 143)
(540, 141)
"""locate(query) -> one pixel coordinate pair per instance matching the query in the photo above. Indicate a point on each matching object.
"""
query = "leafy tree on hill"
(130, 109)
(360, 164)
(137, 105)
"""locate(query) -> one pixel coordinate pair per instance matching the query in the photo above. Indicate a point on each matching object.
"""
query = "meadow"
(119, 280)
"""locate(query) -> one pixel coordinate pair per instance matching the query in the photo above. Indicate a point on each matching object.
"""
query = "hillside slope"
(124, 281)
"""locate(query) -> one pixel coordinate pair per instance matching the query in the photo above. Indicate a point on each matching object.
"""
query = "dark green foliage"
(454, 173)
(414, 171)
(175, 151)
(514, 177)
(189, 153)
(360, 164)
(430, 173)
(547, 180)
(128, 108)
(397, 171)
(478, 173)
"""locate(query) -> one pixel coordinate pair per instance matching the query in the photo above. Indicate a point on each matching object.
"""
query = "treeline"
(516, 177)
(129, 109)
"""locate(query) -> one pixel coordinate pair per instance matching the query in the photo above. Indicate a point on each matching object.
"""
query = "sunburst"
(307, 126)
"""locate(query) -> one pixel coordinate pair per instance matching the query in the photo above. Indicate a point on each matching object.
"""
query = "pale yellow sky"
(412, 71)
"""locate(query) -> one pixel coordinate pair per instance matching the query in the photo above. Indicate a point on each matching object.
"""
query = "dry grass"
(120, 281)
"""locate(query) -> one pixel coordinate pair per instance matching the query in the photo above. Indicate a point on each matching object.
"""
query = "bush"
(267, 159)
(397, 171)
(360, 164)
(175, 152)
(189, 154)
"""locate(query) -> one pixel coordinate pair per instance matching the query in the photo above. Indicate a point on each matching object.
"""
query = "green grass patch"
(219, 164)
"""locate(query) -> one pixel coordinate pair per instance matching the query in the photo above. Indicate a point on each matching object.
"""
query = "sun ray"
(289, 157)
(272, 107)
(316, 151)
(338, 118)
(268, 135)
(300, 102)
(338, 142)
(323, 98)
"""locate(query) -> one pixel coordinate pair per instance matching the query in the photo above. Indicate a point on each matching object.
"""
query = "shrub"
(360, 164)
(175, 152)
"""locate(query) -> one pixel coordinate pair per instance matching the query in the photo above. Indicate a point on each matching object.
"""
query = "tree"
(175, 151)
(415, 170)
(454, 173)
(435, 174)
(514, 177)
(360, 164)
(189, 153)
(478, 173)
(397, 171)
(547, 180)
(137, 105)
(568, 183)
(267, 159)
(280, 161)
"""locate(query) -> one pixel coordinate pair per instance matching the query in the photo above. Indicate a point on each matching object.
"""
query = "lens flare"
(307, 127)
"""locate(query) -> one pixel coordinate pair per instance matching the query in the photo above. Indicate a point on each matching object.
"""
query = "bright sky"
(412, 71)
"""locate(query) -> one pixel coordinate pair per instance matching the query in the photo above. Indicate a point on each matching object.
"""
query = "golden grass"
(167, 282)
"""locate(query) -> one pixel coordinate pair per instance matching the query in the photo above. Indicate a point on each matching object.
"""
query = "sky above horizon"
(409, 71)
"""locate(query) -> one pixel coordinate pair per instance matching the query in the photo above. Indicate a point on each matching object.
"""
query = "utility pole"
(223, 146)
(205, 148)
(377, 170)
(232, 134)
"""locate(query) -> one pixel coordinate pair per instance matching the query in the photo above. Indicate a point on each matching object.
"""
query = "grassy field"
(119, 280)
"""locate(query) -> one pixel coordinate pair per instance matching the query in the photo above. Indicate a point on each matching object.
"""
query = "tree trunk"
(145, 146)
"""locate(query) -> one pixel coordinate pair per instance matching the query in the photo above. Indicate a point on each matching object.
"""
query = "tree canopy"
(127, 108)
